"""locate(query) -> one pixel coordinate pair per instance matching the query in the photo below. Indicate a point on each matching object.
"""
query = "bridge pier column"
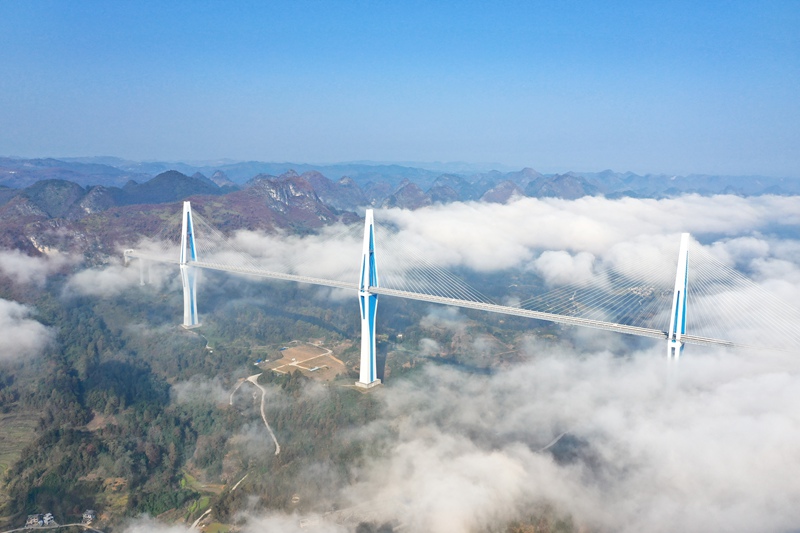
(188, 271)
(368, 303)
(677, 321)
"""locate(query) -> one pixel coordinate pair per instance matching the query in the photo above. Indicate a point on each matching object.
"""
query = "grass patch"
(198, 507)
(190, 482)
(113, 500)
(19, 429)
(216, 527)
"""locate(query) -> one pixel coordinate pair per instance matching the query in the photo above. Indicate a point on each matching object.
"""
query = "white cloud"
(440, 317)
(561, 268)
(335, 253)
(29, 270)
(429, 347)
(271, 523)
(20, 335)
(495, 236)
(707, 445)
(710, 447)
(280, 523)
(115, 278)
(740, 250)
(200, 390)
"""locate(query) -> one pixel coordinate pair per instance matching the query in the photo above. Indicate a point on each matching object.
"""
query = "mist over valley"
(373, 267)
(483, 422)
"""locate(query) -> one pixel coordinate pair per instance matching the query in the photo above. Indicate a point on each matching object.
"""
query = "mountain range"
(58, 204)
(115, 172)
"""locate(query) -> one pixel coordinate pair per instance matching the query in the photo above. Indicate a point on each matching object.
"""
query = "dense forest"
(101, 395)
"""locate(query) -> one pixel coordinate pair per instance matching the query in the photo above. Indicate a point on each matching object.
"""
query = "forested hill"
(127, 413)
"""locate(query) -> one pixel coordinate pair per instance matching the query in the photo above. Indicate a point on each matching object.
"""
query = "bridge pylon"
(368, 302)
(677, 321)
(188, 271)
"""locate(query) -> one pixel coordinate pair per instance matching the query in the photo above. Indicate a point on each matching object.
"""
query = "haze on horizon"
(660, 87)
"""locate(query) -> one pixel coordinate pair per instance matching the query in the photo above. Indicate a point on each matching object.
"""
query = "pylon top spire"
(677, 320)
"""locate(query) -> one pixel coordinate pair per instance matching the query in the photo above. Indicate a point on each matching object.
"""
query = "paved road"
(208, 511)
(235, 389)
(196, 522)
(552, 443)
(254, 380)
(239, 482)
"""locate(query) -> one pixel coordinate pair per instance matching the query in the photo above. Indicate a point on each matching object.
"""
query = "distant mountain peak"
(409, 196)
(569, 186)
(403, 184)
(169, 186)
(503, 193)
(221, 179)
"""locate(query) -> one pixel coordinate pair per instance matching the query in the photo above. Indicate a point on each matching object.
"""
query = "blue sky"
(673, 87)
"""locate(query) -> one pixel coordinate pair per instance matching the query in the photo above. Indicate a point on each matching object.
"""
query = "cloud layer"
(28, 270)
(492, 236)
(115, 278)
(708, 444)
(20, 335)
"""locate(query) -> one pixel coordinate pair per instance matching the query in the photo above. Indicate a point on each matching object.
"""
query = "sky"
(663, 87)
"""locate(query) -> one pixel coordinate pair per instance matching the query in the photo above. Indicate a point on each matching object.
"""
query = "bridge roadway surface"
(467, 304)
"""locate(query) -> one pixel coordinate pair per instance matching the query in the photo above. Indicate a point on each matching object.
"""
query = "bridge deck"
(493, 308)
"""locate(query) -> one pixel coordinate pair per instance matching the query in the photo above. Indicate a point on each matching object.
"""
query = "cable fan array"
(623, 288)
(625, 291)
(721, 302)
(405, 268)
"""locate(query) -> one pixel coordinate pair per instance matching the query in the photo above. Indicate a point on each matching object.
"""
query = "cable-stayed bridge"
(637, 292)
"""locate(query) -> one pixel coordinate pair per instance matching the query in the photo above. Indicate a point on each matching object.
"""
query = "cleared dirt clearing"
(313, 361)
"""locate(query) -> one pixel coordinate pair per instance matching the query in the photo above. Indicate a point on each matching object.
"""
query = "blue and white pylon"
(368, 302)
(677, 321)
(188, 271)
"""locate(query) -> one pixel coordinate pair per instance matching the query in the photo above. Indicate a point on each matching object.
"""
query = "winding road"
(552, 443)
(197, 522)
(208, 511)
(254, 380)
